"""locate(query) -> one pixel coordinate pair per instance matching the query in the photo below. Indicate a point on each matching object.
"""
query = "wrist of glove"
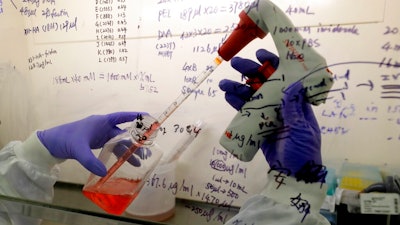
(310, 172)
(77, 139)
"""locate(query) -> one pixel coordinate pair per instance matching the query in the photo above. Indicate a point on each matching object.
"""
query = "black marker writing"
(301, 205)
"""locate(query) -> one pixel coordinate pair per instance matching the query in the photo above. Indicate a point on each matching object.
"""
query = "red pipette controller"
(298, 61)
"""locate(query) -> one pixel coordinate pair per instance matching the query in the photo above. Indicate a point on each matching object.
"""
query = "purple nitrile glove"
(236, 94)
(295, 149)
(76, 140)
(122, 146)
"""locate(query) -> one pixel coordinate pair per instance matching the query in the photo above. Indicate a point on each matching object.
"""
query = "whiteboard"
(71, 59)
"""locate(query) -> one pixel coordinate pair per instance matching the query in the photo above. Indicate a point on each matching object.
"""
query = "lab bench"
(70, 207)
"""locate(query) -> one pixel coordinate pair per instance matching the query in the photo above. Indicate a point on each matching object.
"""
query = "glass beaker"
(129, 158)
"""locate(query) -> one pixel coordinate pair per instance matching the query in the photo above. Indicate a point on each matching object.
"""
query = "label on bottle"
(380, 203)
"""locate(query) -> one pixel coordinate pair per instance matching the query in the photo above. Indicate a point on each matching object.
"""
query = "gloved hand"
(75, 140)
(122, 146)
(236, 94)
(296, 148)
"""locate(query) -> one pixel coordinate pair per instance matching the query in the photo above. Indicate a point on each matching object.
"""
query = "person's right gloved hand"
(77, 139)
(295, 148)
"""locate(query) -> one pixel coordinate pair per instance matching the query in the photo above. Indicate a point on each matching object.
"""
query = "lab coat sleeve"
(27, 170)
(284, 201)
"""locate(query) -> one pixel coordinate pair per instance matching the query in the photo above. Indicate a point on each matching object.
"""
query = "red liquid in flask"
(115, 195)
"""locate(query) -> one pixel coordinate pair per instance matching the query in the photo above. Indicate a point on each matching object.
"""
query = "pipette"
(183, 96)
(161, 119)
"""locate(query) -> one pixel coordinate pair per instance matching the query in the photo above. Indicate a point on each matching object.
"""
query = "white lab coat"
(287, 203)
(27, 170)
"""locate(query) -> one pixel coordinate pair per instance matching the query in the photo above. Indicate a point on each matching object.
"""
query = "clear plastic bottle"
(129, 158)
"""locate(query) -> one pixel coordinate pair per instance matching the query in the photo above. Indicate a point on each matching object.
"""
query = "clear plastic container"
(156, 202)
(129, 158)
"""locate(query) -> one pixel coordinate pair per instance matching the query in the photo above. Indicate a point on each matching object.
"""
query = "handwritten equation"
(145, 81)
(384, 87)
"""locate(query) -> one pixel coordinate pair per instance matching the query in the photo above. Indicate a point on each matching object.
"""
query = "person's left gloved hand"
(236, 94)
(77, 139)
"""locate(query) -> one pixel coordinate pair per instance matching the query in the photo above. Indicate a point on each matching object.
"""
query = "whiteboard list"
(70, 59)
